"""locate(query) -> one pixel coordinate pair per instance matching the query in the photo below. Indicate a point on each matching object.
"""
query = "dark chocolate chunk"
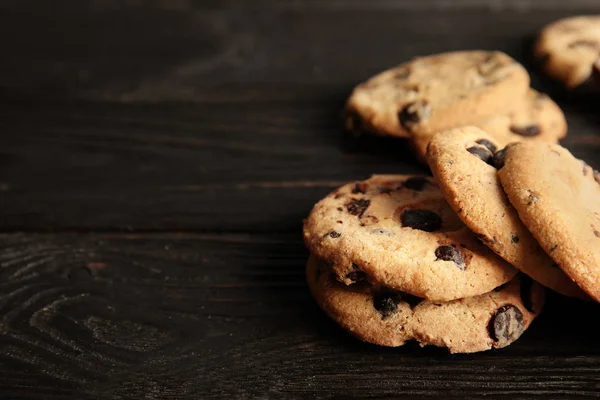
(414, 113)
(482, 153)
(506, 325)
(424, 220)
(533, 198)
(386, 303)
(499, 158)
(357, 275)
(527, 130)
(358, 206)
(334, 234)
(489, 145)
(527, 293)
(450, 253)
(514, 239)
(416, 183)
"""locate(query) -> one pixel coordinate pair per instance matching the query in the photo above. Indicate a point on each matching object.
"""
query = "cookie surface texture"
(557, 197)
(462, 162)
(398, 231)
(389, 318)
(437, 92)
(537, 117)
(569, 49)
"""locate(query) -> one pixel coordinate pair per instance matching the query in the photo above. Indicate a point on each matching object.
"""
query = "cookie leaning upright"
(437, 92)
(568, 49)
(385, 317)
(462, 161)
(557, 197)
(399, 231)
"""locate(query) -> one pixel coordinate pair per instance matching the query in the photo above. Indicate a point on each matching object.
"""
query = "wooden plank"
(241, 166)
(222, 316)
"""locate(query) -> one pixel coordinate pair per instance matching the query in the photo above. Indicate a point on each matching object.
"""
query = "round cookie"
(385, 317)
(437, 92)
(461, 161)
(399, 231)
(558, 198)
(537, 117)
(570, 48)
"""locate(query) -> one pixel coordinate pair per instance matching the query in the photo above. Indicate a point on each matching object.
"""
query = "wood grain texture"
(166, 316)
(192, 137)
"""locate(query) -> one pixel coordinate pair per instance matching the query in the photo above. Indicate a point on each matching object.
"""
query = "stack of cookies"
(458, 260)
(426, 95)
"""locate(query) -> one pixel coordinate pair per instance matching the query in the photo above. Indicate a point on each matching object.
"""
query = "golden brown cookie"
(557, 197)
(399, 231)
(461, 161)
(437, 92)
(569, 49)
(385, 317)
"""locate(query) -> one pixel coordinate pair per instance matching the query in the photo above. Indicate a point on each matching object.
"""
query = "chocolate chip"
(358, 206)
(499, 158)
(334, 234)
(489, 145)
(450, 253)
(553, 248)
(339, 221)
(482, 153)
(386, 303)
(506, 325)
(527, 130)
(526, 293)
(385, 190)
(532, 198)
(596, 233)
(416, 183)
(340, 209)
(424, 220)
(414, 113)
(360, 187)
(357, 275)
(514, 239)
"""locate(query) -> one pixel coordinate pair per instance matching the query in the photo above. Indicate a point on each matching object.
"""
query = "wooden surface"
(156, 160)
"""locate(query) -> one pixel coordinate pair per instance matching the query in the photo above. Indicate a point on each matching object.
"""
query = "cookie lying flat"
(399, 231)
(384, 317)
(558, 198)
(535, 118)
(461, 159)
(569, 49)
(433, 93)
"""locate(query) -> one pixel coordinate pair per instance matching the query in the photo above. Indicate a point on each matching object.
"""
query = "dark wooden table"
(156, 160)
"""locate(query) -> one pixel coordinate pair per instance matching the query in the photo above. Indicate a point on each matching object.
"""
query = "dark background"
(156, 160)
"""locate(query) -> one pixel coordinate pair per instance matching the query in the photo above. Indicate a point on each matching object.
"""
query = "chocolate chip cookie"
(536, 117)
(398, 231)
(462, 160)
(386, 317)
(569, 49)
(433, 93)
(557, 197)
